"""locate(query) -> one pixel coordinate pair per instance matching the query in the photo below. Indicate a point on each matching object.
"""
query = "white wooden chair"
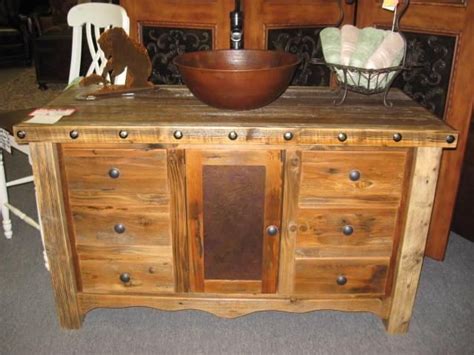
(96, 18)
(8, 142)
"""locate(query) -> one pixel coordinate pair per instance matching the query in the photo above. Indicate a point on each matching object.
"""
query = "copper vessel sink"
(237, 79)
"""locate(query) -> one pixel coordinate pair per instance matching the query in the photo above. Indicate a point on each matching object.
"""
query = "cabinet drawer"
(148, 273)
(352, 177)
(320, 276)
(124, 176)
(121, 226)
(332, 232)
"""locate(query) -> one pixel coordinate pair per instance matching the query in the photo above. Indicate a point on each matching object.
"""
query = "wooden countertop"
(307, 112)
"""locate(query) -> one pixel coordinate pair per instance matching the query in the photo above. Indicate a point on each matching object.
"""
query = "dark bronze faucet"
(237, 27)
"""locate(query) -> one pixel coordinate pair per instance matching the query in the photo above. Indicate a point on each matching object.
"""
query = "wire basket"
(368, 81)
(363, 81)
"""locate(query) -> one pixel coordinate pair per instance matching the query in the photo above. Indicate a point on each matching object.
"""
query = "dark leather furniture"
(15, 34)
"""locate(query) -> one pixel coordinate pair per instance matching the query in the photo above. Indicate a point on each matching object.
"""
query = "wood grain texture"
(150, 271)
(182, 14)
(261, 15)
(231, 307)
(154, 119)
(318, 276)
(94, 225)
(412, 244)
(320, 232)
(195, 220)
(289, 227)
(458, 115)
(451, 18)
(54, 228)
(233, 286)
(142, 173)
(177, 183)
(325, 178)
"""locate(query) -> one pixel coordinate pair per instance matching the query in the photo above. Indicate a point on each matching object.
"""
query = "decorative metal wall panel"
(428, 84)
(164, 43)
(304, 42)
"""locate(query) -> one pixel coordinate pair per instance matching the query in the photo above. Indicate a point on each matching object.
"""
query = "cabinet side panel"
(54, 228)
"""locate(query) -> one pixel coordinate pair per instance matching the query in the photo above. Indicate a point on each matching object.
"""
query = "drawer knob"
(74, 134)
(272, 230)
(123, 134)
(288, 136)
(233, 135)
(119, 228)
(21, 134)
(354, 175)
(342, 137)
(347, 230)
(114, 173)
(178, 134)
(341, 280)
(450, 139)
(125, 277)
(397, 137)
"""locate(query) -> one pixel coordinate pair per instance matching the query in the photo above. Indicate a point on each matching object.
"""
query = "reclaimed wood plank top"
(300, 108)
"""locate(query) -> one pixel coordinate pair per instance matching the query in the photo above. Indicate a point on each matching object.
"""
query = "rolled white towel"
(368, 41)
(331, 44)
(389, 53)
(349, 36)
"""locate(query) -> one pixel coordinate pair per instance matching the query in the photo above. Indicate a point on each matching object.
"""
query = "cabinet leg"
(70, 321)
(413, 242)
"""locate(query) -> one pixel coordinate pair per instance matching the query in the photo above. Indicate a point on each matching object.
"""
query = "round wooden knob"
(123, 134)
(178, 134)
(288, 136)
(21, 134)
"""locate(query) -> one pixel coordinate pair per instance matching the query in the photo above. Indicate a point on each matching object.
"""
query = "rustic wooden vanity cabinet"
(162, 201)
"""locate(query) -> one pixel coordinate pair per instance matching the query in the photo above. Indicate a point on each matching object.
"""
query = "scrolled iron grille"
(164, 44)
(428, 83)
(304, 42)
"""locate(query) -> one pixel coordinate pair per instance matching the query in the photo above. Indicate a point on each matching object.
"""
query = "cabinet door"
(233, 209)
(439, 34)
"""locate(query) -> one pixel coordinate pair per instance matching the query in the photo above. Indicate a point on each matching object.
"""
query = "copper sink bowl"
(237, 79)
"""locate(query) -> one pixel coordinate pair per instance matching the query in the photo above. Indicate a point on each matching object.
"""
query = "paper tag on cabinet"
(5, 140)
(390, 5)
(49, 116)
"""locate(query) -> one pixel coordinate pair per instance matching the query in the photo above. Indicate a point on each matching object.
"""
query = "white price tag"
(49, 116)
(390, 5)
(45, 119)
